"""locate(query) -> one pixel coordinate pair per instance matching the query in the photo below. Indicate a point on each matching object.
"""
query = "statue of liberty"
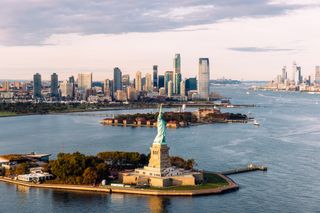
(161, 126)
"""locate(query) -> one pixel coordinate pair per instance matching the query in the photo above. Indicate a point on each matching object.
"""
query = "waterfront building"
(125, 81)
(84, 81)
(160, 172)
(131, 93)
(72, 81)
(120, 95)
(160, 81)
(162, 91)
(6, 86)
(17, 85)
(54, 85)
(284, 74)
(317, 75)
(37, 86)
(167, 77)
(107, 88)
(298, 77)
(176, 71)
(148, 83)
(66, 89)
(138, 81)
(182, 88)
(155, 76)
(117, 79)
(191, 84)
(170, 89)
(203, 78)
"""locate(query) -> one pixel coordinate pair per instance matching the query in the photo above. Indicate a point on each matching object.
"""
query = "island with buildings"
(124, 172)
(177, 119)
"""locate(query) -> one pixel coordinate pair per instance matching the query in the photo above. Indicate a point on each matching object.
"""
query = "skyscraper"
(84, 82)
(170, 88)
(294, 70)
(138, 81)
(160, 81)
(177, 83)
(72, 82)
(54, 85)
(182, 88)
(298, 77)
(203, 78)
(148, 83)
(37, 86)
(317, 75)
(191, 84)
(177, 69)
(66, 89)
(125, 81)
(108, 88)
(117, 79)
(168, 76)
(284, 73)
(155, 76)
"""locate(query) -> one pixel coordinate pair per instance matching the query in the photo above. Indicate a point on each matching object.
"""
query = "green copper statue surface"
(161, 125)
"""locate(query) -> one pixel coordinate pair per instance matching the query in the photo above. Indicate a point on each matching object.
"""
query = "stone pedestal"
(159, 156)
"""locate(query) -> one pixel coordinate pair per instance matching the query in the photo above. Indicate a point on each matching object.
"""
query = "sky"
(243, 39)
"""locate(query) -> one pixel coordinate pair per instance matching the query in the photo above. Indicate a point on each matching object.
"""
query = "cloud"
(30, 22)
(260, 49)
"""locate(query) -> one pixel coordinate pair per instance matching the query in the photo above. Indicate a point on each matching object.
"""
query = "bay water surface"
(287, 142)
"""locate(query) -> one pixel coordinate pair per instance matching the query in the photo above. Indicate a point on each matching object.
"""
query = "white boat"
(183, 107)
(255, 122)
(230, 106)
(248, 93)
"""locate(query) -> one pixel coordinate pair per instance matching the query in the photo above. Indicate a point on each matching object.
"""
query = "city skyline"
(248, 44)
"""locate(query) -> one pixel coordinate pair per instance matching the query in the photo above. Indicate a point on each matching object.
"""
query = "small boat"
(183, 107)
(255, 122)
(230, 106)
(248, 93)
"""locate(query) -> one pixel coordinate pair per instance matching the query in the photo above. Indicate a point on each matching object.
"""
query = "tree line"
(77, 168)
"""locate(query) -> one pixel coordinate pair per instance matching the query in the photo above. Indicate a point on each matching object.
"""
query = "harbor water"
(287, 142)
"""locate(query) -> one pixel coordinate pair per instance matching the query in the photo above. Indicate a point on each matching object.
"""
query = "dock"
(248, 168)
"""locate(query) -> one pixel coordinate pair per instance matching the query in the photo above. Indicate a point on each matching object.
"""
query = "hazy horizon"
(244, 39)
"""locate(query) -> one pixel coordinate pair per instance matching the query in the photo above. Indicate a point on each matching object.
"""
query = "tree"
(21, 169)
(90, 176)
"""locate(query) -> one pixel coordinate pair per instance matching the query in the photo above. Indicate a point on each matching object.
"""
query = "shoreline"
(232, 186)
(130, 107)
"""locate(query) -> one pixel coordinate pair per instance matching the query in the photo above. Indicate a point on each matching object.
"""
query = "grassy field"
(211, 181)
(5, 114)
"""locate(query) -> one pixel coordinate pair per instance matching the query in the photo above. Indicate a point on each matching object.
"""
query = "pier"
(249, 168)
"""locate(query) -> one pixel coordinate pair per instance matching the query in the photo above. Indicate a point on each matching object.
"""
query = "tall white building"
(148, 84)
(84, 81)
(170, 89)
(203, 78)
(138, 81)
(66, 89)
(183, 88)
(294, 70)
(298, 77)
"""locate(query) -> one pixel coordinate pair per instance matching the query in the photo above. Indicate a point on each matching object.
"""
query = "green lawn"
(5, 114)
